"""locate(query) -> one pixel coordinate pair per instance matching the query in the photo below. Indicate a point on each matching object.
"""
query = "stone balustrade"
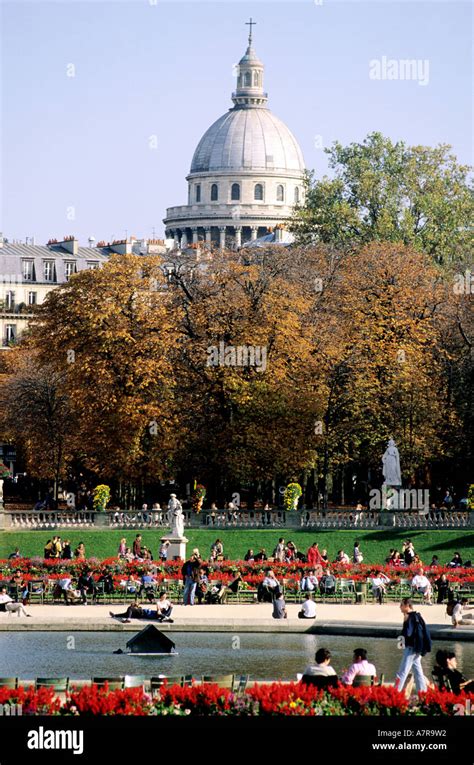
(24, 520)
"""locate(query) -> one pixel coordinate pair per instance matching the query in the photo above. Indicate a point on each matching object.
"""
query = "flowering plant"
(198, 497)
(292, 494)
(4, 471)
(101, 497)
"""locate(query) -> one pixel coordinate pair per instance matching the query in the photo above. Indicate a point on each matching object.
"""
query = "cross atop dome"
(249, 92)
(250, 24)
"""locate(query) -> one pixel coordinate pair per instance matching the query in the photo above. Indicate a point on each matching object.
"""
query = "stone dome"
(248, 138)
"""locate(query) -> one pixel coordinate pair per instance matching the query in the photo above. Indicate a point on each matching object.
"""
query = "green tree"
(385, 191)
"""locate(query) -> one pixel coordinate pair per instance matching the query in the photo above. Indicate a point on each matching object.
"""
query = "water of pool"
(262, 656)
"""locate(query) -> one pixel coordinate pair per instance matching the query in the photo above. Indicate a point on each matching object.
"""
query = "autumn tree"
(110, 334)
(36, 414)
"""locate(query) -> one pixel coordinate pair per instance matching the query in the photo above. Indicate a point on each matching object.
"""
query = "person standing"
(416, 642)
(279, 552)
(191, 573)
(137, 547)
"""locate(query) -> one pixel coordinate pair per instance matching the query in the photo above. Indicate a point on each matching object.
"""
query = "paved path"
(369, 620)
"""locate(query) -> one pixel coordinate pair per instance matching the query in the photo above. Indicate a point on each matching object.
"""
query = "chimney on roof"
(70, 244)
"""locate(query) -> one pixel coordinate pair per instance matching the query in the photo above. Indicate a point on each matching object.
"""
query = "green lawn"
(374, 544)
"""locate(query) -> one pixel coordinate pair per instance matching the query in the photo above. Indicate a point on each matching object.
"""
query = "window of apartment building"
(69, 269)
(28, 270)
(10, 333)
(92, 264)
(31, 298)
(9, 301)
(49, 271)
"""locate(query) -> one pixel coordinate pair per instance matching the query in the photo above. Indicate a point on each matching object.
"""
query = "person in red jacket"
(313, 556)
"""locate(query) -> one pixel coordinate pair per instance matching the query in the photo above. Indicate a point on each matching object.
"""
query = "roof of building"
(248, 139)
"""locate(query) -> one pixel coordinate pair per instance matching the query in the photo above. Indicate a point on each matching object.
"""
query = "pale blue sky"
(165, 70)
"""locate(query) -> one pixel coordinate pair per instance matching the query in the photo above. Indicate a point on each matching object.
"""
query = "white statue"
(175, 516)
(391, 465)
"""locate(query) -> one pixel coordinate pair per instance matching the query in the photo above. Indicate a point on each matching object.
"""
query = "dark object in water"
(150, 640)
(119, 650)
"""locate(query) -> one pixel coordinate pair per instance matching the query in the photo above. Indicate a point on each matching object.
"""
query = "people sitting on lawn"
(308, 608)
(421, 584)
(455, 561)
(342, 557)
(80, 551)
(217, 551)
(309, 582)
(322, 668)
(249, 556)
(360, 666)
(14, 554)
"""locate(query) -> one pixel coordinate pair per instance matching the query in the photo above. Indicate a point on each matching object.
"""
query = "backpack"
(450, 607)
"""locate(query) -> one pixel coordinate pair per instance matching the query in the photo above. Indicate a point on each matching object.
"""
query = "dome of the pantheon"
(248, 139)
(247, 172)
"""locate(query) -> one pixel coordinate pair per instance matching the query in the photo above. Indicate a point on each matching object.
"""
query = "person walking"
(416, 642)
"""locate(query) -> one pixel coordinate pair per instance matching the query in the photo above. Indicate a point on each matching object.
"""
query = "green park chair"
(9, 682)
(240, 683)
(114, 683)
(59, 684)
(134, 681)
(363, 680)
(223, 681)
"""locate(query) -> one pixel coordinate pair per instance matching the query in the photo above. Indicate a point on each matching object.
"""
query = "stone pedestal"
(177, 548)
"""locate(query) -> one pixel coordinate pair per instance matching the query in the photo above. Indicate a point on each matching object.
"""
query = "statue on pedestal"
(175, 516)
(391, 465)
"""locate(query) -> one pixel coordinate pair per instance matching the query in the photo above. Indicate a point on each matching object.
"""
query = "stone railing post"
(101, 520)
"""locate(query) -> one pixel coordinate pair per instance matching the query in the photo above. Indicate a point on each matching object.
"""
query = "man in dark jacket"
(416, 642)
(191, 574)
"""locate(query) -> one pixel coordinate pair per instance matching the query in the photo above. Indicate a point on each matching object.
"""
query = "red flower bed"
(41, 701)
(95, 700)
(375, 700)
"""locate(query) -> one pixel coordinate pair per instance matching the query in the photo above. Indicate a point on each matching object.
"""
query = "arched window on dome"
(297, 195)
(258, 192)
(248, 79)
(255, 80)
(280, 193)
(198, 192)
(235, 192)
(214, 192)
